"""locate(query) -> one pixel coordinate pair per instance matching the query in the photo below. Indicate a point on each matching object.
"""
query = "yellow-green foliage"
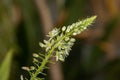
(6, 66)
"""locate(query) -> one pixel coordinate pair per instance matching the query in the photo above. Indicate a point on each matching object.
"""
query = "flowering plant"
(58, 45)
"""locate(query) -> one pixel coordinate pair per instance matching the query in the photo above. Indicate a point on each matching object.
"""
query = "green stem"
(44, 62)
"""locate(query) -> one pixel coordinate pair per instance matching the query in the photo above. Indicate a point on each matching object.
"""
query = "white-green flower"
(63, 28)
(53, 33)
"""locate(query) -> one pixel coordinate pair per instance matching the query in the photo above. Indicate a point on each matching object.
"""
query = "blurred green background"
(95, 55)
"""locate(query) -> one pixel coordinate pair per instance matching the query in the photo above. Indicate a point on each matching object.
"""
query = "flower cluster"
(59, 45)
(61, 40)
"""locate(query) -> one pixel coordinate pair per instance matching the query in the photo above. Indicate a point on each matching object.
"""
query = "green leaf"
(5, 66)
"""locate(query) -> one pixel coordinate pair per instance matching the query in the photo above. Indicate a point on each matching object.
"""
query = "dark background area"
(96, 53)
